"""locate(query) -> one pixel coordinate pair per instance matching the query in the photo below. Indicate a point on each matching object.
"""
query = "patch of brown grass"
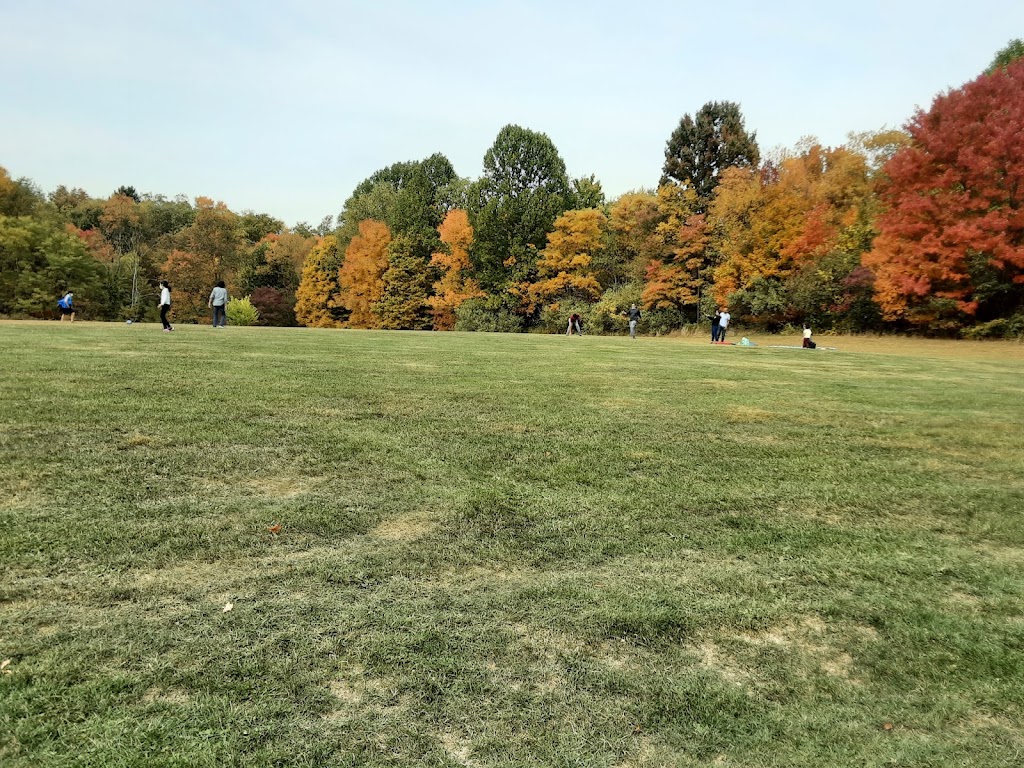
(404, 527)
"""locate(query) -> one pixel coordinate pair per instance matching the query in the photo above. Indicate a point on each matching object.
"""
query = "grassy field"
(297, 547)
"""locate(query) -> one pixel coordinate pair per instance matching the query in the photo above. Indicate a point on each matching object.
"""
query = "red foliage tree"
(951, 242)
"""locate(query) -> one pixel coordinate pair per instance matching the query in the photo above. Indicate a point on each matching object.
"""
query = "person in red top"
(574, 325)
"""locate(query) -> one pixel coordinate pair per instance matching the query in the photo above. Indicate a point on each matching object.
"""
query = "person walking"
(67, 306)
(715, 318)
(165, 304)
(219, 302)
(723, 323)
(634, 318)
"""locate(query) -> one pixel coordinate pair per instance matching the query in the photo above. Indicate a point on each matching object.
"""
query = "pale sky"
(283, 107)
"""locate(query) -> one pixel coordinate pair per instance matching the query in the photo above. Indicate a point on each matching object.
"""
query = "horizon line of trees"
(912, 230)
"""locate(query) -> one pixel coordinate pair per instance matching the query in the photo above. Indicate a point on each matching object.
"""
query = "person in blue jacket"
(66, 304)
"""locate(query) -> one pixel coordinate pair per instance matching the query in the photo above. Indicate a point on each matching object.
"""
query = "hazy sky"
(283, 107)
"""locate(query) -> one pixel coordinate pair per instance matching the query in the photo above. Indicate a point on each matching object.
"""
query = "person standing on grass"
(219, 302)
(808, 343)
(715, 318)
(67, 306)
(165, 304)
(723, 323)
(634, 318)
(574, 325)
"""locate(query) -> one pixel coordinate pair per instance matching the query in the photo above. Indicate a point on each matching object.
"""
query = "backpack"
(63, 302)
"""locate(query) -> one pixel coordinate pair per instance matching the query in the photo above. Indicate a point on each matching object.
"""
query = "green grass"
(506, 551)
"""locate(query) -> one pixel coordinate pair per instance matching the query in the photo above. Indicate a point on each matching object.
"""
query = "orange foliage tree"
(676, 278)
(361, 277)
(455, 285)
(191, 276)
(214, 234)
(796, 209)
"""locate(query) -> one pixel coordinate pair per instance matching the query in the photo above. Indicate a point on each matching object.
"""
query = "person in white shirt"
(808, 344)
(165, 304)
(723, 323)
(218, 302)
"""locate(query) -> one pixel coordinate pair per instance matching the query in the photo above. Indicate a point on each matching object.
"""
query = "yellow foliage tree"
(564, 266)
(633, 221)
(455, 286)
(316, 298)
(361, 277)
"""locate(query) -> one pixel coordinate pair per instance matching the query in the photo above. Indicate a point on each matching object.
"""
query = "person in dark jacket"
(634, 317)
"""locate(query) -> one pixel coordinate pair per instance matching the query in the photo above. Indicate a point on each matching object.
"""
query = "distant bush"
(1002, 328)
(275, 307)
(242, 312)
(608, 315)
(489, 314)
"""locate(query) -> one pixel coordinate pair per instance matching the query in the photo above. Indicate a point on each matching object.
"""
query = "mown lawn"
(499, 550)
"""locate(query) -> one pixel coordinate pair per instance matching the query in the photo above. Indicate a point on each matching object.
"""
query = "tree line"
(919, 229)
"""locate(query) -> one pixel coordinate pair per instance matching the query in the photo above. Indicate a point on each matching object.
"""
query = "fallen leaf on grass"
(3, 667)
(227, 607)
(274, 528)
(887, 727)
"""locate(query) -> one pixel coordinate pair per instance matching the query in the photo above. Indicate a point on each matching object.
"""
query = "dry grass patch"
(807, 639)
(745, 414)
(405, 527)
(457, 748)
(282, 486)
(137, 440)
(1013, 556)
(158, 695)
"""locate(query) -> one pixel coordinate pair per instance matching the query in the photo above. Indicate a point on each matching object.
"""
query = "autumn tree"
(701, 148)
(678, 277)
(215, 234)
(191, 276)
(316, 302)
(120, 223)
(564, 268)
(951, 242)
(633, 221)
(361, 278)
(771, 224)
(452, 261)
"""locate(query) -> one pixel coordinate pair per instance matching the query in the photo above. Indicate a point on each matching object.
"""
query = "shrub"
(274, 306)
(1001, 328)
(488, 314)
(608, 315)
(242, 312)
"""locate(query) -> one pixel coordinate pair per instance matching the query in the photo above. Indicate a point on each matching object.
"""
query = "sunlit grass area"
(301, 547)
